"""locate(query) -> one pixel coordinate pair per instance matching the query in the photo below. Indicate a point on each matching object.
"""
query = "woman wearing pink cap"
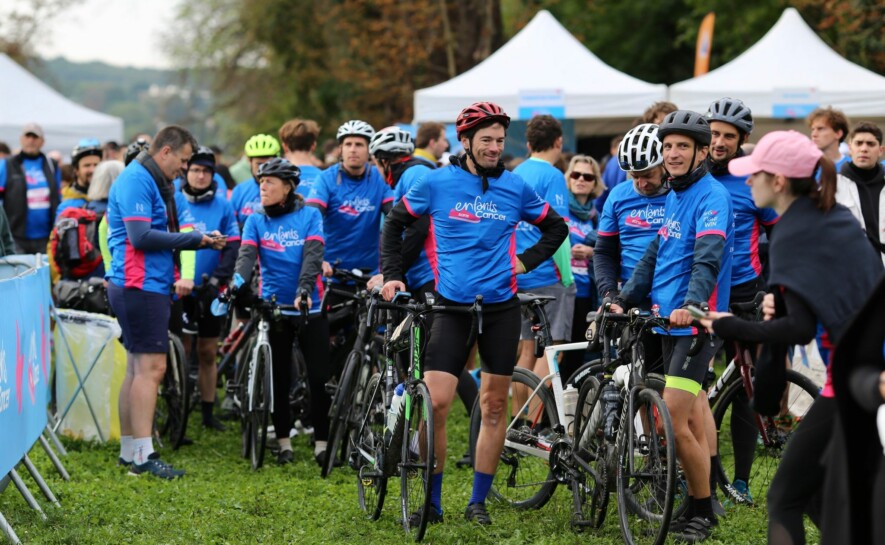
(822, 271)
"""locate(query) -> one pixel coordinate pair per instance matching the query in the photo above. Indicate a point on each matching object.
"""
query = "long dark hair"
(823, 190)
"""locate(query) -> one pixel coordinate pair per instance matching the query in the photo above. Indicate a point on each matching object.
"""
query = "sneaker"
(214, 424)
(433, 517)
(679, 523)
(285, 457)
(740, 492)
(698, 530)
(157, 468)
(476, 512)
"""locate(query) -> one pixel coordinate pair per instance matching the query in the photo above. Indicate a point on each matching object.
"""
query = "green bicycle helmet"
(262, 145)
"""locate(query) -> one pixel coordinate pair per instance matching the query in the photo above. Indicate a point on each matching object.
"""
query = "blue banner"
(24, 360)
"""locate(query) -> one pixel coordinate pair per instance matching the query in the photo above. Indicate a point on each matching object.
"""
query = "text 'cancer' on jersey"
(353, 208)
(635, 219)
(280, 242)
(473, 249)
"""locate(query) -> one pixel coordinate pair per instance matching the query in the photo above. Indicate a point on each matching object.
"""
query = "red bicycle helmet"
(480, 112)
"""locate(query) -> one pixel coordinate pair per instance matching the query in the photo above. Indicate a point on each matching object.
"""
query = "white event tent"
(24, 99)
(544, 67)
(785, 75)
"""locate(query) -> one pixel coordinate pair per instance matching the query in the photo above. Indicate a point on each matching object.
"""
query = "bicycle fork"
(261, 342)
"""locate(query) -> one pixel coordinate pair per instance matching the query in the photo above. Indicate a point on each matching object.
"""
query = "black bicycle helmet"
(688, 123)
(135, 148)
(85, 148)
(732, 111)
(280, 168)
(204, 156)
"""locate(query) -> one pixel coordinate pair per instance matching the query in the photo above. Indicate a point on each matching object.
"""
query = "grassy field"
(221, 500)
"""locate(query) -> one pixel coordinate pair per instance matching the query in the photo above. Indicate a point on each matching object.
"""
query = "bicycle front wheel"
(259, 407)
(646, 474)
(171, 411)
(523, 478)
(369, 450)
(593, 456)
(339, 413)
(743, 453)
(417, 460)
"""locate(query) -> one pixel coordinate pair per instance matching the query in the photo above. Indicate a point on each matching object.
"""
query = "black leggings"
(796, 486)
(314, 344)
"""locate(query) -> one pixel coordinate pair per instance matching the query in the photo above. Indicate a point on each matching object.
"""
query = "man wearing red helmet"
(474, 205)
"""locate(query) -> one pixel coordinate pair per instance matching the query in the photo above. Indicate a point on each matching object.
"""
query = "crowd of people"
(678, 215)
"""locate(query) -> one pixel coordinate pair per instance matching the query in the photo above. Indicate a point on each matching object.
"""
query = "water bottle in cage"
(611, 397)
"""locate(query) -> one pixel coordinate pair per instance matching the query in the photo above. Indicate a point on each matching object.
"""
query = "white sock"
(126, 448)
(285, 443)
(142, 447)
(319, 448)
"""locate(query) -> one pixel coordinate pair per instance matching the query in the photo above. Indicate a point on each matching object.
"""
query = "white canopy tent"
(544, 67)
(24, 99)
(785, 75)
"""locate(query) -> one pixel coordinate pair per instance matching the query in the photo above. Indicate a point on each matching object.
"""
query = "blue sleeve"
(557, 195)
(533, 208)
(229, 226)
(767, 216)
(639, 286)
(146, 239)
(319, 193)
(608, 223)
(417, 200)
(709, 247)
(185, 216)
(2, 177)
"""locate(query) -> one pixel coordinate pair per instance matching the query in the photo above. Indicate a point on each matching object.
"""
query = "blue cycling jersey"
(280, 242)
(246, 199)
(38, 224)
(353, 208)
(420, 273)
(582, 269)
(473, 241)
(635, 219)
(748, 224)
(549, 183)
(308, 178)
(205, 217)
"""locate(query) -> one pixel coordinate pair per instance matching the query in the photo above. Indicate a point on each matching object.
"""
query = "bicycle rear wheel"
(259, 407)
(593, 455)
(299, 391)
(339, 413)
(171, 410)
(646, 473)
(523, 477)
(417, 460)
(369, 450)
(760, 456)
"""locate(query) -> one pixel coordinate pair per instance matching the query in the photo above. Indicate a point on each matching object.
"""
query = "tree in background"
(26, 22)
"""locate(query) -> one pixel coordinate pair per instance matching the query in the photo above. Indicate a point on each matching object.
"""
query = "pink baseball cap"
(789, 153)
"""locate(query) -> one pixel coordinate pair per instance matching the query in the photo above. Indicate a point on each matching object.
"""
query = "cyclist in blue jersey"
(84, 158)
(299, 140)
(688, 263)
(731, 123)
(143, 234)
(287, 237)
(474, 205)
(245, 198)
(208, 213)
(352, 196)
(585, 184)
(633, 213)
(554, 276)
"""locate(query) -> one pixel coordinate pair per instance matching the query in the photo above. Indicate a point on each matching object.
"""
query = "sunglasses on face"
(588, 177)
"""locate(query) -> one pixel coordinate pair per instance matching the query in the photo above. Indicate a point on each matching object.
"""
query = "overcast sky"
(119, 32)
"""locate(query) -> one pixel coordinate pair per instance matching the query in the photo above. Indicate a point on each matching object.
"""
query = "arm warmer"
(639, 286)
(413, 242)
(246, 262)
(188, 260)
(225, 269)
(708, 252)
(146, 239)
(398, 219)
(563, 261)
(311, 264)
(553, 232)
(607, 264)
(798, 326)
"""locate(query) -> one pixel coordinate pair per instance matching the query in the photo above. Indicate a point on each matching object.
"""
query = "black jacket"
(15, 196)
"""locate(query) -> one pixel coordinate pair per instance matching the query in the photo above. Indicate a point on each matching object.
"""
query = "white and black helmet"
(640, 148)
(391, 142)
(355, 127)
(732, 111)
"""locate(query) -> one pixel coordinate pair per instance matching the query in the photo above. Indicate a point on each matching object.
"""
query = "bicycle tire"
(802, 392)
(259, 408)
(587, 369)
(646, 474)
(592, 459)
(417, 460)
(370, 478)
(524, 472)
(171, 410)
(338, 412)
(357, 408)
(241, 397)
(299, 391)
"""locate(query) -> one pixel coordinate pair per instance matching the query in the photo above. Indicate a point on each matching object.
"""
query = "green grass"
(221, 500)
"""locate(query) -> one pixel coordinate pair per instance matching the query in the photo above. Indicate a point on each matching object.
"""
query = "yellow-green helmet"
(262, 145)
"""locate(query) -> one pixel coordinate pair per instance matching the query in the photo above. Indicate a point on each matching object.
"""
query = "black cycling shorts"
(199, 320)
(686, 372)
(447, 349)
